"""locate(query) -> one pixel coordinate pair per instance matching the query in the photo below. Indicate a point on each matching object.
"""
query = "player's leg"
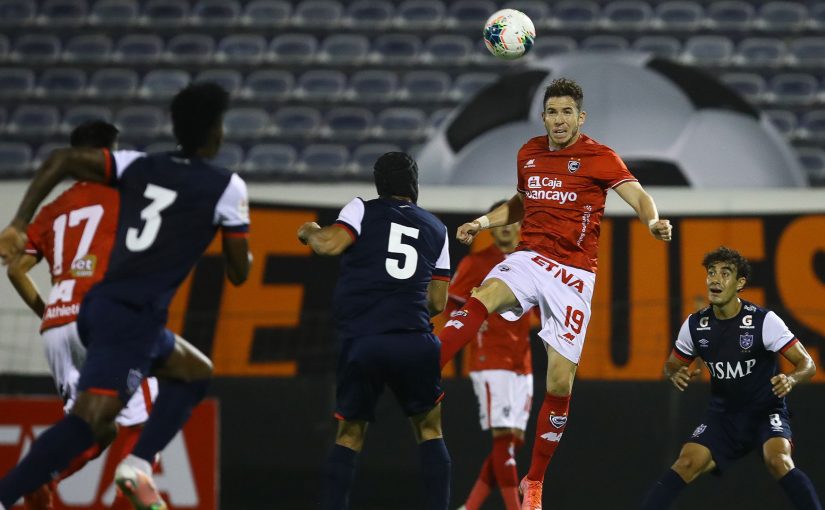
(506, 443)
(358, 387)
(339, 468)
(88, 423)
(776, 451)
(435, 459)
(183, 377)
(550, 424)
(486, 479)
(694, 460)
(493, 295)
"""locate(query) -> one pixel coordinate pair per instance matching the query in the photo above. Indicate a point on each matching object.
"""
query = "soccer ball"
(509, 34)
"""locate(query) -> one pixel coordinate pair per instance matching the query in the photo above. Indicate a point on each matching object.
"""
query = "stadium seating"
(813, 160)
(15, 159)
(230, 156)
(33, 120)
(323, 160)
(364, 156)
(270, 159)
(300, 65)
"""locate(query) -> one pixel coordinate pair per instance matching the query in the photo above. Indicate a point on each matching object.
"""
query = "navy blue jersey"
(399, 248)
(740, 354)
(170, 209)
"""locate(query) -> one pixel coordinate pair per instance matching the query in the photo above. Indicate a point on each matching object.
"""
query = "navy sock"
(800, 490)
(50, 454)
(662, 494)
(339, 471)
(435, 466)
(171, 410)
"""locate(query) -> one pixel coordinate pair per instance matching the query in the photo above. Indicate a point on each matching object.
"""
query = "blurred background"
(717, 106)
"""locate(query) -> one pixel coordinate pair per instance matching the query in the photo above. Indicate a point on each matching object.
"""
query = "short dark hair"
(561, 87)
(730, 256)
(196, 111)
(97, 134)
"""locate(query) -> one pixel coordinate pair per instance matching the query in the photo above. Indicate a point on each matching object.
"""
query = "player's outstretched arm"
(328, 241)
(18, 273)
(505, 214)
(437, 296)
(641, 202)
(82, 163)
(679, 372)
(238, 259)
(804, 369)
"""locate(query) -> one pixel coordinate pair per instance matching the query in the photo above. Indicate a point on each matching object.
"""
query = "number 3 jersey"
(398, 249)
(74, 233)
(171, 207)
(740, 354)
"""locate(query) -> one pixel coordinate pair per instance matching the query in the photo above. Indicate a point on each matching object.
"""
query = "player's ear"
(740, 283)
(582, 116)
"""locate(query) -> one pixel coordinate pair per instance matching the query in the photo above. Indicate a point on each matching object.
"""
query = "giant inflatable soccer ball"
(672, 124)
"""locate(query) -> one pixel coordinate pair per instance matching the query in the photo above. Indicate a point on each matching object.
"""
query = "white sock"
(137, 463)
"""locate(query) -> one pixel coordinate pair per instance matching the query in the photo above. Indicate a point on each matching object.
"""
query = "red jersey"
(500, 344)
(564, 195)
(75, 234)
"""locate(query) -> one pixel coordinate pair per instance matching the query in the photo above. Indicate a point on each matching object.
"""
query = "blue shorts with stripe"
(407, 362)
(124, 343)
(732, 435)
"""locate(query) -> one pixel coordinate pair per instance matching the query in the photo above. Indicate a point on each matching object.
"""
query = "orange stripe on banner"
(102, 391)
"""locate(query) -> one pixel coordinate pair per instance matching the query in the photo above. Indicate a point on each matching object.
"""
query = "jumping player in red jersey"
(563, 179)
(501, 371)
(74, 233)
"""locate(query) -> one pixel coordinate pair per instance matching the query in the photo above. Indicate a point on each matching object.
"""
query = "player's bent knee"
(495, 295)
(689, 468)
(779, 465)
(99, 411)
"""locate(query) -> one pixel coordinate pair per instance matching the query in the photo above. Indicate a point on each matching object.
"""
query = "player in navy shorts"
(738, 343)
(171, 207)
(395, 270)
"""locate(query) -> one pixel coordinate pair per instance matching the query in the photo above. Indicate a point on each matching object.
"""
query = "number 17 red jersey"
(75, 234)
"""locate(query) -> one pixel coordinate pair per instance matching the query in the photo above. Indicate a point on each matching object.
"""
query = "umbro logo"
(703, 342)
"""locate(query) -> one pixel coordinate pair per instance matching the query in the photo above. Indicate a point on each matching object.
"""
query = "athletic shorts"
(65, 354)
(406, 362)
(504, 398)
(123, 345)
(562, 293)
(731, 436)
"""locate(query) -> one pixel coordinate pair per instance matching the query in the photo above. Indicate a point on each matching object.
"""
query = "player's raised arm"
(641, 202)
(82, 163)
(18, 273)
(328, 241)
(804, 369)
(507, 213)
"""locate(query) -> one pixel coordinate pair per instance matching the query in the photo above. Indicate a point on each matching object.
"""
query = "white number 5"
(139, 240)
(394, 268)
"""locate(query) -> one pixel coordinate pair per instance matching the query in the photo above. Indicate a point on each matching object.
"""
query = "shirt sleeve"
(775, 334)
(442, 265)
(351, 216)
(616, 171)
(117, 162)
(232, 209)
(684, 348)
(35, 243)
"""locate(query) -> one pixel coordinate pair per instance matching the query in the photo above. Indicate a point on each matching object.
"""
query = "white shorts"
(66, 354)
(562, 293)
(504, 398)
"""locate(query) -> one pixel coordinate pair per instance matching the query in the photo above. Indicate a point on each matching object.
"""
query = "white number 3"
(140, 240)
(394, 267)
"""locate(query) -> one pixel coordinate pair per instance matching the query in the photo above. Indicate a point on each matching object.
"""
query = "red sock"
(504, 466)
(484, 483)
(461, 328)
(119, 450)
(549, 428)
